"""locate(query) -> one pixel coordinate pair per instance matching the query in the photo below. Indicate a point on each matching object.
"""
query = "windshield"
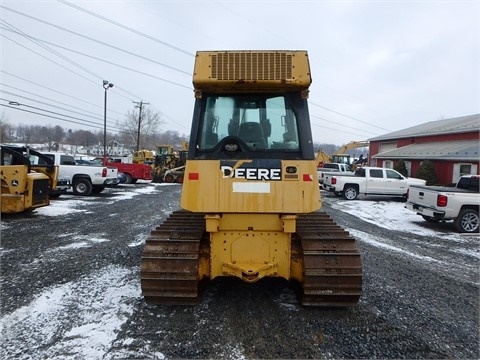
(262, 122)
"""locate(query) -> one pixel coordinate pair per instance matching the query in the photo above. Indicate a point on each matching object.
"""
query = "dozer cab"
(25, 186)
(250, 199)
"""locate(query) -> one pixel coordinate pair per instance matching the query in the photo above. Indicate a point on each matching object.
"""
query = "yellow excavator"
(250, 200)
(341, 157)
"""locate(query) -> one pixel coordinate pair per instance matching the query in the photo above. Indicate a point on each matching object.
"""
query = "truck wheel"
(169, 178)
(82, 187)
(128, 179)
(467, 221)
(350, 192)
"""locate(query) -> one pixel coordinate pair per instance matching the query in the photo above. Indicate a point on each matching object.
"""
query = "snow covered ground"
(85, 325)
(85, 314)
(76, 204)
(393, 215)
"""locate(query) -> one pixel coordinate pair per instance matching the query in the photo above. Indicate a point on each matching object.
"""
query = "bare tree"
(327, 148)
(49, 137)
(7, 131)
(27, 134)
(173, 138)
(52, 136)
(82, 138)
(150, 123)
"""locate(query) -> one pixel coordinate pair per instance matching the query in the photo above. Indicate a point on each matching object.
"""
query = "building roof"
(457, 125)
(465, 150)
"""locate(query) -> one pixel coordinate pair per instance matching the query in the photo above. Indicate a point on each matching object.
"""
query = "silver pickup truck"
(459, 204)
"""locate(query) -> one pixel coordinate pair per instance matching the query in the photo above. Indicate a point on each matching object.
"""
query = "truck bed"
(450, 189)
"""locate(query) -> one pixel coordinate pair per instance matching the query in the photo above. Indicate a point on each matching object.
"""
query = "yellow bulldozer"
(143, 157)
(250, 200)
(25, 186)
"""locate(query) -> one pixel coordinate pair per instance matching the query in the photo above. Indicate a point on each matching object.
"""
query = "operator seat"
(252, 134)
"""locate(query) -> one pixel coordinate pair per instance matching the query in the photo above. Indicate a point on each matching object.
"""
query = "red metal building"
(453, 145)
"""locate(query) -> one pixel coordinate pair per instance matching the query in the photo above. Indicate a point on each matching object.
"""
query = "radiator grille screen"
(41, 189)
(251, 66)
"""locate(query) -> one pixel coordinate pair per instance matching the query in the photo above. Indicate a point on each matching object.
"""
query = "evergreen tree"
(427, 172)
(401, 167)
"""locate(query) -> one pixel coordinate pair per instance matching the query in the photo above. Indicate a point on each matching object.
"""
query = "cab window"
(262, 122)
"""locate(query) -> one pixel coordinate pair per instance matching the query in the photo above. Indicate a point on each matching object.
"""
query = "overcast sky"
(377, 66)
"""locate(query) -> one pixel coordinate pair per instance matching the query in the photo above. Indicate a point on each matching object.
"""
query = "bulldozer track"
(330, 258)
(169, 269)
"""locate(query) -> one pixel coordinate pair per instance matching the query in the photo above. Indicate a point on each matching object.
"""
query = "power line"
(281, 37)
(123, 67)
(101, 42)
(56, 91)
(46, 58)
(334, 129)
(348, 116)
(17, 31)
(60, 55)
(94, 125)
(175, 122)
(148, 37)
(343, 125)
(53, 112)
(48, 49)
(63, 67)
(51, 105)
(127, 28)
(44, 103)
(111, 63)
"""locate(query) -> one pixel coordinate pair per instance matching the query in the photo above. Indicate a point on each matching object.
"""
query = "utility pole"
(140, 106)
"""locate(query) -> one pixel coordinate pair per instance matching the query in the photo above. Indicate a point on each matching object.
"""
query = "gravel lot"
(70, 290)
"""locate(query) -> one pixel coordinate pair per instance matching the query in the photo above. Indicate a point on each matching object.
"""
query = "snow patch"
(135, 192)
(389, 215)
(80, 241)
(140, 240)
(376, 241)
(57, 209)
(86, 315)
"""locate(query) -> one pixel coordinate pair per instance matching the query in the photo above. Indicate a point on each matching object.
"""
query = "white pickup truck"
(460, 203)
(371, 181)
(337, 168)
(85, 180)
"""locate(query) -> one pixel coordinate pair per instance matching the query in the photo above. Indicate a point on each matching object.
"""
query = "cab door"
(395, 183)
(375, 181)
